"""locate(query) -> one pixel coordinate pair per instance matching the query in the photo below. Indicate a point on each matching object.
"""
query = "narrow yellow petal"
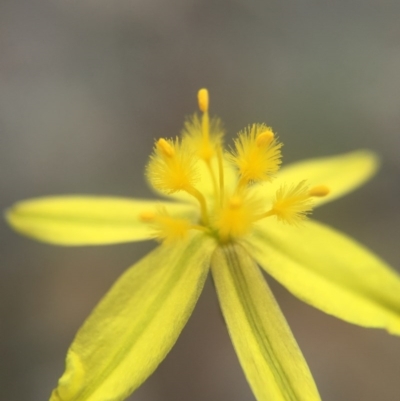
(340, 174)
(87, 220)
(136, 324)
(331, 272)
(267, 350)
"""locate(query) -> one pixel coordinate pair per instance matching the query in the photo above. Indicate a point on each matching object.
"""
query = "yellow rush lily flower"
(233, 211)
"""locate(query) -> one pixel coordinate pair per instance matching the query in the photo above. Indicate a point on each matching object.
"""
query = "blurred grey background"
(86, 86)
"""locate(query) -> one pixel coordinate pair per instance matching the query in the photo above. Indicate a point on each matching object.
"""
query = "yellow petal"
(136, 324)
(341, 174)
(331, 272)
(267, 350)
(87, 220)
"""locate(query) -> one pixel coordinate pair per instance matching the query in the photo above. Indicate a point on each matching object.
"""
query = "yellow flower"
(228, 213)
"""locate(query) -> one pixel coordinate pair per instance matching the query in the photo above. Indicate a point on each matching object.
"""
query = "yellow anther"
(165, 148)
(147, 216)
(264, 139)
(319, 191)
(202, 97)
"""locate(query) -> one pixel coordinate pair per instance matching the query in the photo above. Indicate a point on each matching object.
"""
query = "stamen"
(205, 136)
(147, 216)
(213, 178)
(202, 97)
(172, 166)
(319, 191)
(171, 230)
(265, 138)
(292, 204)
(164, 147)
(203, 205)
(257, 155)
(168, 228)
(220, 174)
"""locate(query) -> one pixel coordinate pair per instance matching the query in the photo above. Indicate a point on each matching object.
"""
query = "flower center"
(219, 182)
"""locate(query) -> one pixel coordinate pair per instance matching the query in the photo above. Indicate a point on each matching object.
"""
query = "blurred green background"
(86, 87)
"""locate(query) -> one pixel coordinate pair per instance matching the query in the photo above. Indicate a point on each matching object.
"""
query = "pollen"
(257, 154)
(171, 167)
(205, 145)
(292, 203)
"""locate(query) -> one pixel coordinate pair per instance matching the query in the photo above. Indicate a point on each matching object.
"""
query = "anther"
(165, 148)
(319, 191)
(147, 216)
(264, 139)
(202, 97)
